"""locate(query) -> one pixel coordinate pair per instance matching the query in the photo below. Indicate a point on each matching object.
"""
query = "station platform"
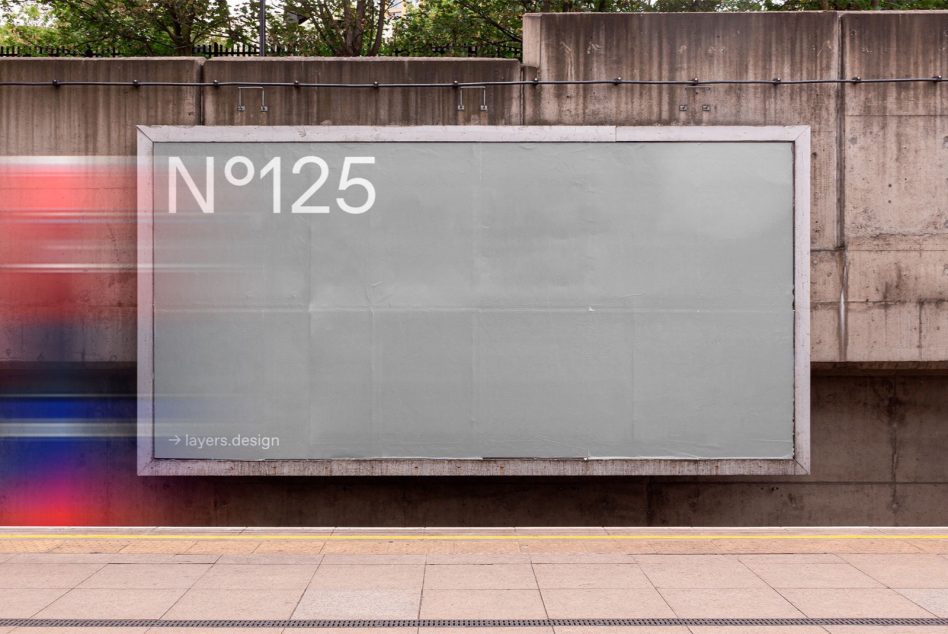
(474, 581)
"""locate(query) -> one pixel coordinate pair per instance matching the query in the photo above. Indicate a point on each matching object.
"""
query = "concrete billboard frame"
(799, 464)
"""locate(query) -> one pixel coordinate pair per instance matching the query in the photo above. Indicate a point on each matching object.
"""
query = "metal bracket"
(483, 90)
(240, 98)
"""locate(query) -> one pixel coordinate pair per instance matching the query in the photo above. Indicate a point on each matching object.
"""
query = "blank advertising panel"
(491, 300)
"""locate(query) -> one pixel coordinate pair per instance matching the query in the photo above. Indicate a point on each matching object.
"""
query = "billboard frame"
(799, 464)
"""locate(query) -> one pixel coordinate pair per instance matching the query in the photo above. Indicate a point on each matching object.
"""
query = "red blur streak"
(56, 504)
(67, 238)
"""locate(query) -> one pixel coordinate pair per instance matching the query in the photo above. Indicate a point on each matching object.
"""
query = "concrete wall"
(878, 252)
(895, 203)
(880, 155)
(359, 106)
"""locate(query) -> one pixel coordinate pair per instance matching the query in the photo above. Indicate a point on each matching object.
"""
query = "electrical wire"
(618, 81)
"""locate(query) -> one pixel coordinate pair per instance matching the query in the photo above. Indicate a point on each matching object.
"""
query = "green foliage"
(456, 23)
(333, 27)
(485, 23)
(132, 27)
(29, 24)
(321, 27)
(853, 5)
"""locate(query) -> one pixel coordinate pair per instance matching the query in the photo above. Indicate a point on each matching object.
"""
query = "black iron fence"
(55, 51)
(509, 51)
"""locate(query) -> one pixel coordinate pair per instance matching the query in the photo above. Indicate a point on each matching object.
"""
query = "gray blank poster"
(496, 300)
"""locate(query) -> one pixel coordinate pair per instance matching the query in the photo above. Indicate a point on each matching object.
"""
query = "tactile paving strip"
(424, 623)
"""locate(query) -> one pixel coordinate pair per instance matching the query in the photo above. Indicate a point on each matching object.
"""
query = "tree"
(132, 27)
(433, 24)
(324, 27)
(454, 23)
(853, 5)
(334, 27)
(485, 23)
(27, 23)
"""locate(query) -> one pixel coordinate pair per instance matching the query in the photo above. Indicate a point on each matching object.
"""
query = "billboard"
(473, 300)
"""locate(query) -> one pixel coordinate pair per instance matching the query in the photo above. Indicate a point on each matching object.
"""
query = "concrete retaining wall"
(878, 250)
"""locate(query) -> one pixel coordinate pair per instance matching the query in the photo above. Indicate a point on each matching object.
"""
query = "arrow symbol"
(176, 439)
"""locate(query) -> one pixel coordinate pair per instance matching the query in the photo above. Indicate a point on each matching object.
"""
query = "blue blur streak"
(68, 407)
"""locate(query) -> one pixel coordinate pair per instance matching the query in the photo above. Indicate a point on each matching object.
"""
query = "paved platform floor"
(510, 573)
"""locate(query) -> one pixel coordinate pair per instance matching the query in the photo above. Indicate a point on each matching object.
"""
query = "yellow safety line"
(453, 537)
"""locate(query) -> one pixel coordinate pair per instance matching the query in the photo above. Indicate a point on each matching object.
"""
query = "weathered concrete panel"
(887, 331)
(683, 46)
(915, 408)
(921, 504)
(824, 332)
(895, 152)
(895, 177)
(896, 330)
(359, 106)
(92, 120)
(934, 329)
(826, 292)
(771, 504)
(846, 409)
(897, 276)
(895, 44)
(826, 276)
